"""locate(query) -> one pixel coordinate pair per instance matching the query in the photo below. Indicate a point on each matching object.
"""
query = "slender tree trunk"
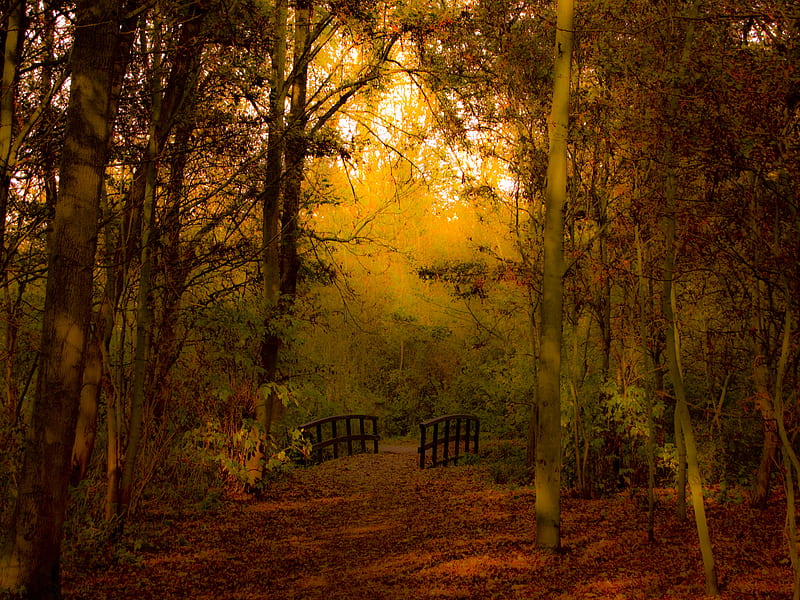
(29, 556)
(764, 401)
(94, 371)
(295, 154)
(576, 375)
(143, 308)
(15, 34)
(271, 203)
(790, 460)
(548, 445)
(791, 523)
(104, 324)
(682, 417)
(680, 469)
(176, 262)
(648, 390)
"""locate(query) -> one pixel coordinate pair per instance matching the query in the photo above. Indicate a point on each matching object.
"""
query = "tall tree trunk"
(680, 469)
(181, 85)
(29, 556)
(548, 444)
(295, 154)
(94, 370)
(14, 36)
(682, 408)
(271, 202)
(170, 103)
(176, 263)
(143, 306)
(104, 325)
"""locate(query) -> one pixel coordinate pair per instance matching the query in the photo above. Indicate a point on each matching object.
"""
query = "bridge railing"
(351, 432)
(447, 438)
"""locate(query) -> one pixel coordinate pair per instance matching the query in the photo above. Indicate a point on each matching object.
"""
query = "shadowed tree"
(29, 557)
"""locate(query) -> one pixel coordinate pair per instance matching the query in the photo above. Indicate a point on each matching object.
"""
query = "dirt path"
(376, 527)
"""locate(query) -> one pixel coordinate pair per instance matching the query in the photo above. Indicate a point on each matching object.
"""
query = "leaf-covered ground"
(376, 527)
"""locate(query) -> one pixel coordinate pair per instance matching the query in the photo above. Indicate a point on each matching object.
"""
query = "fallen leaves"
(376, 527)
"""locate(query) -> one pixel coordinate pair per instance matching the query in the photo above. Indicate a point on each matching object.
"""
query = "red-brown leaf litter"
(377, 527)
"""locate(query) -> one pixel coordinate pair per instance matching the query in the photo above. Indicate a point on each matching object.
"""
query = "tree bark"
(548, 443)
(30, 552)
(295, 154)
(98, 343)
(14, 37)
(271, 200)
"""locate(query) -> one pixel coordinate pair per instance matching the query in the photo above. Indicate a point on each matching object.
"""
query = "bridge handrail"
(470, 435)
(320, 443)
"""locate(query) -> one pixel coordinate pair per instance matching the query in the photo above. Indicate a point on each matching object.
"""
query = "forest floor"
(377, 527)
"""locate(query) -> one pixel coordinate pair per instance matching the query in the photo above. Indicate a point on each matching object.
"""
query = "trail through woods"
(376, 527)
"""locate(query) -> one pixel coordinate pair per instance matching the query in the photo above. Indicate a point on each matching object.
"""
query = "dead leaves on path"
(376, 527)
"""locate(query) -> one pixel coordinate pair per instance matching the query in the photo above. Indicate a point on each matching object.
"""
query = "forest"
(221, 219)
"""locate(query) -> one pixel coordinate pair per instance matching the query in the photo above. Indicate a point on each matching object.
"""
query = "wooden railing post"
(458, 437)
(446, 441)
(349, 437)
(435, 449)
(422, 445)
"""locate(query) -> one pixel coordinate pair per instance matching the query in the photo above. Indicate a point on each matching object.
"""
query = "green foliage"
(91, 539)
(10, 455)
(210, 446)
(94, 542)
(469, 459)
(505, 460)
(626, 410)
(729, 454)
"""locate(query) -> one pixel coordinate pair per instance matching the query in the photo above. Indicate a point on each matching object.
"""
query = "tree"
(682, 417)
(290, 138)
(548, 441)
(29, 558)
